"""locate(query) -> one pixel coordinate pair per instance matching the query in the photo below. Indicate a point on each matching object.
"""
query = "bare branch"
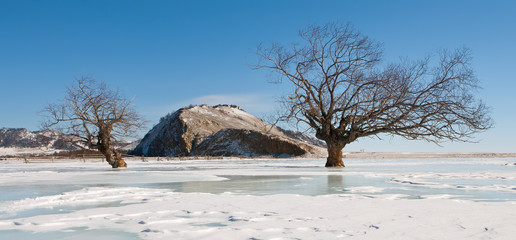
(96, 116)
(342, 93)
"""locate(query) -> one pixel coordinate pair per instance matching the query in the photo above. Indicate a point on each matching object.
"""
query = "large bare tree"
(343, 92)
(96, 117)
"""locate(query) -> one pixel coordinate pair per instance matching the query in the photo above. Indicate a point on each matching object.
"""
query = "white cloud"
(253, 103)
(257, 104)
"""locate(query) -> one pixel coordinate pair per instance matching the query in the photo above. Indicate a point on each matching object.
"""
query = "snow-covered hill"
(220, 130)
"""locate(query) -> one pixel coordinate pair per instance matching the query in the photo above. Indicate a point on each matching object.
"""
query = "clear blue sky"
(169, 54)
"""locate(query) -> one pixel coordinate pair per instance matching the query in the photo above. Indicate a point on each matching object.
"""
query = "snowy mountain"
(20, 141)
(23, 138)
(220, 131)
(16, 141)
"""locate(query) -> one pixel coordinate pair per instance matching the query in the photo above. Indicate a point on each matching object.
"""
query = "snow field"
(166, 215)
(260, 199)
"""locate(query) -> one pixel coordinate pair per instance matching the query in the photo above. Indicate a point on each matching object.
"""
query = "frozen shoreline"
(261, 199)
(20, 153)
(426, 155)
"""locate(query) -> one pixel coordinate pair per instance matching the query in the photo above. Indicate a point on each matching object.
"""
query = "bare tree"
(96, 117)
(342, 92)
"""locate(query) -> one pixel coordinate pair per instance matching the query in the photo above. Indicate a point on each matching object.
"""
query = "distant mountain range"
(20, 141)
(23, 138)
(17, 141)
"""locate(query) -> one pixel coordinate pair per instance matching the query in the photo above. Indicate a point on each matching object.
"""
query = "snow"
(231, 116)
(260, 199)
(16, 151)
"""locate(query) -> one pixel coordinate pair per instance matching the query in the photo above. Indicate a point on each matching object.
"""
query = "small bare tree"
(342, 93)
(96, 117)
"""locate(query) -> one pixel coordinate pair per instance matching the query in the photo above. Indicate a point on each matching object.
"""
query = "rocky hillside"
(220, 131)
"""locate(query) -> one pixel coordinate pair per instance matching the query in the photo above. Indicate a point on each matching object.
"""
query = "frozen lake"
(33, 195)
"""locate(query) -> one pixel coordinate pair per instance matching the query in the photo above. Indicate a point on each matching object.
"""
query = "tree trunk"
(334, 155)
(113, 157)
(119, 162)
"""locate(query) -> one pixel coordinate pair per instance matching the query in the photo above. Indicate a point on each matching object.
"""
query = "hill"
(221, 130)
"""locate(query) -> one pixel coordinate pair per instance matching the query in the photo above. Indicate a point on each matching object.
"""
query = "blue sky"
(169, 54)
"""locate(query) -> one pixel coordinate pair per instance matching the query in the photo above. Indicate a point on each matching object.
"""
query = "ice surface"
(261, 199)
